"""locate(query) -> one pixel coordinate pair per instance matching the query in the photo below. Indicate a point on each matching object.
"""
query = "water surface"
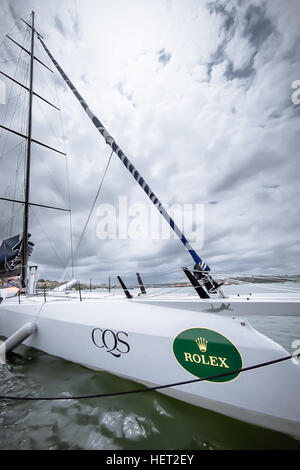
(143, 421)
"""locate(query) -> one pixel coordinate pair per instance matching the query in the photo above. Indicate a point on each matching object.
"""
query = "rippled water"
(142, 421)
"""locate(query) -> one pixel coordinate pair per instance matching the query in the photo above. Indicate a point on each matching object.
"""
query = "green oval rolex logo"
(206, 353)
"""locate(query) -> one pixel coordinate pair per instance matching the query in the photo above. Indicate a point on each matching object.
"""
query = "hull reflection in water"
(142, 421)
(166, 344)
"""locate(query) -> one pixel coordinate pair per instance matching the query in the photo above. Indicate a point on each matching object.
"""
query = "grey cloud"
(246, 72)
(228, 28)
(59, 25)
(75, 20)
(258, 26)
(13, 12)
(16, 15)
(270, 186)
(120, 88)
(251, 220)
(229, 15)
(164, 56)
(76, 27)
(245, 171)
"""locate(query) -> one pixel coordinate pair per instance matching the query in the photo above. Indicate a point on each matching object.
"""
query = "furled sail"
(11, 255)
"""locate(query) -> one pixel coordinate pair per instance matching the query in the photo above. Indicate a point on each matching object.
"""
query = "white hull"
(140, 333)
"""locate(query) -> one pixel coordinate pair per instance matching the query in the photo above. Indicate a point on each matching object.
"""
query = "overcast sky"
(198, 96)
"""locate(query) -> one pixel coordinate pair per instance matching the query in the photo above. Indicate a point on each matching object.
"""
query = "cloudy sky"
(198, 96)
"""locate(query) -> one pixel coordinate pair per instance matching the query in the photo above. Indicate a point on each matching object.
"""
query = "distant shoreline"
(47, 284)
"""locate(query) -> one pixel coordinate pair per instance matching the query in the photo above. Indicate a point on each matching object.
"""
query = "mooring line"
(148, 389)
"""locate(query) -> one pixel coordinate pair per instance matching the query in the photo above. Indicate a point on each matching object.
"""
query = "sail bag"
(11, 255)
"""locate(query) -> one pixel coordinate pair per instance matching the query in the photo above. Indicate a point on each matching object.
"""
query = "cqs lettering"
(114, 343)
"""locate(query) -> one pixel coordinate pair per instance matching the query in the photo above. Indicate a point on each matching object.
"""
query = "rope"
(148, 389)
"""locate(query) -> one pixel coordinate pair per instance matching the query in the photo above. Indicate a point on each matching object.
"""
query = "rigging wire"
(90, 213)
(11, 87)
(12, 219)
(55, 96)
(48, 239)
(20, 155)
(15, 96)
(52, 178)
(40, 71)
(154, 294)
(70, 214)
(23, 124)
(13, 215)
(12, 148)
(18, 164)
(5, 192)
(8, 60)
(10, 31)
(16, 213)
(22, 118)
(68, 179)
(228, 278)
(49, 123)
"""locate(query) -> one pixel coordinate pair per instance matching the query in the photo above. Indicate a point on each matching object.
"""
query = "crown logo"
(202, 344)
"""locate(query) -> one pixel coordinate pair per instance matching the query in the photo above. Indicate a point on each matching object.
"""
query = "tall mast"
(28, 158)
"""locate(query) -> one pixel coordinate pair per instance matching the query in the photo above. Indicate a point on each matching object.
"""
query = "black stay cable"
(149, 389)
